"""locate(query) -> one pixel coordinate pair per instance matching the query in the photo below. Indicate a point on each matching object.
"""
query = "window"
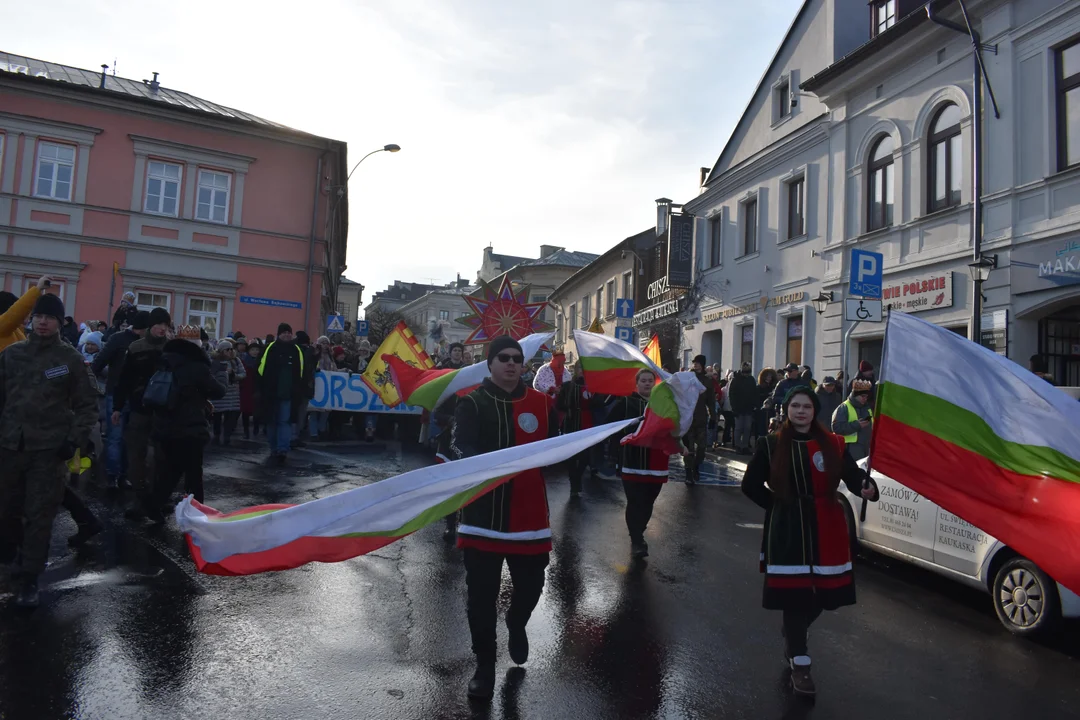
(213, 197)
(599, 301)
(162, 188)
(340, 308)
(879, 189)
(945, 159)
(783, 100)
(714, 240)
(746, 351)
(750, 227)
(884, 16)
(148, 300)
(686, 359)
(627, 287)
(1, 155)
(205, 313)
(573, 317)
(56, 288)
(796, 220)
(55, 166)
(444, 314)
(1068, 105)
(586, 311)
(794, 339)
(610, 297)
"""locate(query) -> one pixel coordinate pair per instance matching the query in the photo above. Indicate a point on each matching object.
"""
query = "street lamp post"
(391, 148)
(822, 301)
(980, 273)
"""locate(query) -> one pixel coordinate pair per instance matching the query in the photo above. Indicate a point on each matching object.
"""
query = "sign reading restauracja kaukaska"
(922, 292)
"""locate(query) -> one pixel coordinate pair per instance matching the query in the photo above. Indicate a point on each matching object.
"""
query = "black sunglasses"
(504, 358)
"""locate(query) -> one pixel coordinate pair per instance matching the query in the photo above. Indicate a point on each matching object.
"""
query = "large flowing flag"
(984, 439)
(400, 343)
(668, 414)
(611, 365)
(429, 388)
(355, 522)
(652, 350)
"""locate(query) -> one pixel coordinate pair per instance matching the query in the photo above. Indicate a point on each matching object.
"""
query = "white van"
(907, 526)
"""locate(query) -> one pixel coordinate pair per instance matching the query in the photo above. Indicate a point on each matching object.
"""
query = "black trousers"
(483, 577)
(729, 427)
(577, 468)
(640, 497)
(75, 505)
(181, 457)
(695, 442)
(229, 418)
(797, 624)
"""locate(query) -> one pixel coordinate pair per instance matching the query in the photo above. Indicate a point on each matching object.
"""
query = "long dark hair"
(780, 473)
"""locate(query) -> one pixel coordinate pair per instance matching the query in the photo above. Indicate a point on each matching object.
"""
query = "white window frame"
(714, 237)
(740, 329)
(160, 199)
(779, 118)
(628, 285)
(586, 311)
(153, 294)
(744, 218)
(30, 281)
(799, 175)
(573, 317)
(214, 189)
(57, 163)
(610, 291)
(444, 314)
(203, 315)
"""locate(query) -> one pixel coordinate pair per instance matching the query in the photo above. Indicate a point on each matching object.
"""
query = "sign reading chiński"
(680, 267)
(922, 292)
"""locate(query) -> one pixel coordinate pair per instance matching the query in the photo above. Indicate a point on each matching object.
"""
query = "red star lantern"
(503, 312)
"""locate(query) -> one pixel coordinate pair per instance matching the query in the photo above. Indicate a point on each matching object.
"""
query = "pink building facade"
(227, 220)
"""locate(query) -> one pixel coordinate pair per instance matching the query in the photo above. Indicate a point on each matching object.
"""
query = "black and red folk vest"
(642, 464)
(512, 518)
(579, 415)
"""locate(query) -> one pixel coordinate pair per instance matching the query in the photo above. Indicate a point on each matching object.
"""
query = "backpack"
(161, 391)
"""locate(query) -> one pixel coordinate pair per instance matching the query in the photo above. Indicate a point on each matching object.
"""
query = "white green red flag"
(611, 366)
(355, 522)
(983, 438)
(668, 414)
(428, 388)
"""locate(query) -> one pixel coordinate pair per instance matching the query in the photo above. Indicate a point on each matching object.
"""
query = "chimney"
(154, 85)
(546, 250)
(104, 67)
(663, 211)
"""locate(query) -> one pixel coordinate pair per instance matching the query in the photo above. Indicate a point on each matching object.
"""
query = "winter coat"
(249, 401)
(580, 406)
(638, 463)
(282, 357)
(784, 387)
(743, 393)
(229, 373)
(126, 313)
(829, 402)
(70, 334)
(805, 548)
(137, 369)
(705, 410)
(110, 361)
(841, 426)
(195, 386)
(545, 379)
(13, 320)
(310, 366)
(46, 401)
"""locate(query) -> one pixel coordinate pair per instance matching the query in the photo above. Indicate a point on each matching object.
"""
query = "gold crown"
(188, 332)
(861, 386)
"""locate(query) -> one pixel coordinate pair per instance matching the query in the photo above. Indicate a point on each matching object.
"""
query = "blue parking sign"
(866, 273)
(625, 334)
(361, 328)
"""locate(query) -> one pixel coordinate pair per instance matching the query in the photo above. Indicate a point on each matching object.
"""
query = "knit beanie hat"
(501, 343)
(700, 360)
(49, 304)
(284, 328)
(141, 321)
(865, 366)
(159, 316)
(94, 337)
(6, 301)
(302, 338)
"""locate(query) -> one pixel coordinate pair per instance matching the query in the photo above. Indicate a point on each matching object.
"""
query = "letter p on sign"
(866, 273)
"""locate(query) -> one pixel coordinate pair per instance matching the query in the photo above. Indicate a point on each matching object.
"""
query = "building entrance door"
(1059, 343)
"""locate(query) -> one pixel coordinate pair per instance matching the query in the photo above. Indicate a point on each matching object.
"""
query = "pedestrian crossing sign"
(335, 323)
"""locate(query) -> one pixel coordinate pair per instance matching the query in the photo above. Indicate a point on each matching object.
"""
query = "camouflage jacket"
(46, 400)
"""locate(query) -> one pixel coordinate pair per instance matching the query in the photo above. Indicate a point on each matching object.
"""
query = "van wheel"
(1025, 598)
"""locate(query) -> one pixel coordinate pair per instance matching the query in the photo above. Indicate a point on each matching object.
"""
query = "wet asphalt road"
(128, 630)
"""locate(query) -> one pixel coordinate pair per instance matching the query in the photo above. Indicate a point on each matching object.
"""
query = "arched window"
(879, 190)
(946, 158)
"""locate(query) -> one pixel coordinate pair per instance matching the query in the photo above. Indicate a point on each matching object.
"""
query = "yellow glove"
(77, 465)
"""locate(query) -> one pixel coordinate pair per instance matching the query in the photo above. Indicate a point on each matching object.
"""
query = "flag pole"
(877, 406)
(112, 290)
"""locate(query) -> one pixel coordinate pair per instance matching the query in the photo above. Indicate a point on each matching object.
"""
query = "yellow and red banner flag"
(652, 350)
(401, 343)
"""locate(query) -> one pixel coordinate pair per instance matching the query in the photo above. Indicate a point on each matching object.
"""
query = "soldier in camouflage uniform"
(47, 410)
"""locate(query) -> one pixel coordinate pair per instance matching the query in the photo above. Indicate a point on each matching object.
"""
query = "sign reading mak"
(1042, 266)
(923, 292)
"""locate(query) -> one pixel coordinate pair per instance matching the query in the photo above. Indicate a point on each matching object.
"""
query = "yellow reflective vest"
(266, 354)
(852, 416)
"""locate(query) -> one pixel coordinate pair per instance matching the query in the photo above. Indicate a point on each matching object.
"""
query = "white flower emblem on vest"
(819, 461)
(528, 422)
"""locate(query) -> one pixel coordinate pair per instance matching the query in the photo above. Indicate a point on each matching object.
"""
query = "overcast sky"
(521, 123)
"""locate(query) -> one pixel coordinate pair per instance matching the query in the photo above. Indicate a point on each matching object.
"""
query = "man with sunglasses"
(509, 523)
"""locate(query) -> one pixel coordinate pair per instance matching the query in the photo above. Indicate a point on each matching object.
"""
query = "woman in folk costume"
(577, 405)
(806, 551)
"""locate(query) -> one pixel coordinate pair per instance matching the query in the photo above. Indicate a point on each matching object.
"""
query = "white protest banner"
(345, 392)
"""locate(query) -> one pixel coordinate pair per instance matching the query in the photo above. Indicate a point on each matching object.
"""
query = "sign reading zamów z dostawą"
(680, 261)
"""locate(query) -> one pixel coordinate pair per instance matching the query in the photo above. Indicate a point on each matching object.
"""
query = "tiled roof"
(17, 64)
(346, 281)
(566, 258)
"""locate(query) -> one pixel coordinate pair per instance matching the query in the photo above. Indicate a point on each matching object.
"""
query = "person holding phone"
(853, 420)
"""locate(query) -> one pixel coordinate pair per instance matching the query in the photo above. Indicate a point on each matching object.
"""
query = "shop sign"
(712, 315)
(1041, 266)
(995, 332)
(923, 292)
(660, 310)
(764, 303)
(680, 260)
